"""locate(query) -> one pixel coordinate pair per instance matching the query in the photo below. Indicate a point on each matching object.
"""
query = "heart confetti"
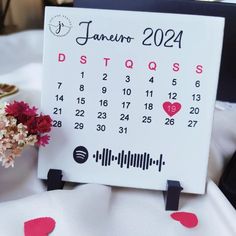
(39, 227)
(187, 219)
(171, 108)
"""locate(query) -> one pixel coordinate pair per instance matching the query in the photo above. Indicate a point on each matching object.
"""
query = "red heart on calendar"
(171, 108)
(39, 227)
(187, 219)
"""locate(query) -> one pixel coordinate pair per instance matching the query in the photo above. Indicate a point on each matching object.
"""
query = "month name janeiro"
(157, 37)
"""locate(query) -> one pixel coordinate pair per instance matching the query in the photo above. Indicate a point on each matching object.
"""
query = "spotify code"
(128, 159)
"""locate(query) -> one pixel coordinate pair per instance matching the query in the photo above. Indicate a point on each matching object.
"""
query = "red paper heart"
(187, 219)
(171, 108)
(39, 227)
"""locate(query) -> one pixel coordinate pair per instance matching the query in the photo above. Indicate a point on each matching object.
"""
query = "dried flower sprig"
(20, 126)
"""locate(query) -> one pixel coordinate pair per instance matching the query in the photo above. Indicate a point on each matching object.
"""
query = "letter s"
(83, 59)
(199, 69)
(176, 67)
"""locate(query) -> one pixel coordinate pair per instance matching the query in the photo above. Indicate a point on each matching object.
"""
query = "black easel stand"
(54, 180)
(172, 195)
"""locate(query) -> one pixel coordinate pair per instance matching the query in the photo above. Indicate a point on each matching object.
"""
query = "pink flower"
(20, 126)
(43, 140)
(17, 109)
(44, 124)
(8, 161)
(31, 124)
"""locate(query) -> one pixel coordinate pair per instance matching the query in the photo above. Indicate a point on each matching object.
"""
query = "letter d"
(61, 57)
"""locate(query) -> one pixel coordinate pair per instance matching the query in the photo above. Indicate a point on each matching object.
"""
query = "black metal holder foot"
(54, 180)
(172, 195)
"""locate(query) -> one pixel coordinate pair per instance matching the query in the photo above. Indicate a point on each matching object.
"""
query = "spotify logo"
(80, 154)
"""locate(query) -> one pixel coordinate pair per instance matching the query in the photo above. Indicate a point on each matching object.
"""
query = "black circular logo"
(80, 154)
(60, 25)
